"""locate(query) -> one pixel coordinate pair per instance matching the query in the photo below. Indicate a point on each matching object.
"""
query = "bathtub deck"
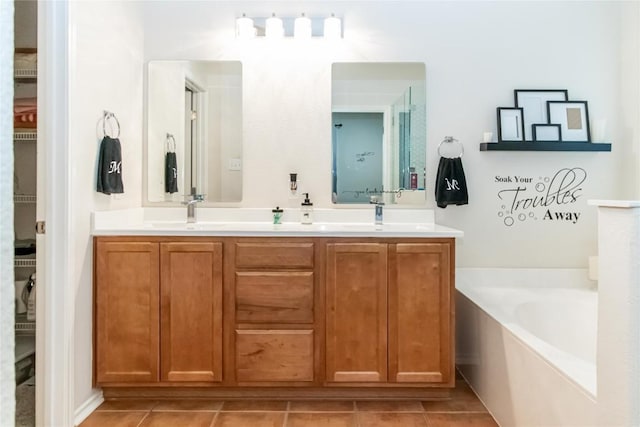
(463, 409)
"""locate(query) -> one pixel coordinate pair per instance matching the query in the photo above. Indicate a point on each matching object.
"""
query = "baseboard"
(89, 405)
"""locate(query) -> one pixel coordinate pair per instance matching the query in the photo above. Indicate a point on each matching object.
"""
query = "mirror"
(378, 133)
(194, 109)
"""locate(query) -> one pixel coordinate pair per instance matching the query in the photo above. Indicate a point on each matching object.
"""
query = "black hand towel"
(170, 173)
(451, 185)
(110, 166)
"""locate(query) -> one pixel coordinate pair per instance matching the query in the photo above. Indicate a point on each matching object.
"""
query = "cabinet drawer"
(274, 297)
(274, 355)
(274, 255)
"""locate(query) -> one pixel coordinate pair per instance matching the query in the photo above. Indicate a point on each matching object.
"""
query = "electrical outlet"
(235, 164)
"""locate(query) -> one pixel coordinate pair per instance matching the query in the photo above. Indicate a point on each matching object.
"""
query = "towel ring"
(450, 140)
(171, 143)
(106, 116)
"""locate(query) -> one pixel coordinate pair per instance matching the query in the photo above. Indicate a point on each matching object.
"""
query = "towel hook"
(105, 117)
(450, 140)
(171, 143)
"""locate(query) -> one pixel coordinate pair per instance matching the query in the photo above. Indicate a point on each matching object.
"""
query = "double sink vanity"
(233, 305)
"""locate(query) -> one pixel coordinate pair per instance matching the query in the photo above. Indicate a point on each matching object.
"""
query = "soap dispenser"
(306, 210)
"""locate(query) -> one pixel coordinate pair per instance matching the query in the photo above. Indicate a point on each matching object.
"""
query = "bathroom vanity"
(254, 309)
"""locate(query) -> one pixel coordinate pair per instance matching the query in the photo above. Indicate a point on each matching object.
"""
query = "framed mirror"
(194, 131)
(378, 133)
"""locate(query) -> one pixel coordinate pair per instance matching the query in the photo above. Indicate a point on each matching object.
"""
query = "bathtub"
(526, 343)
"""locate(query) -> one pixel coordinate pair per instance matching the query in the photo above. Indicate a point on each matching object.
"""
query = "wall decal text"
(547, 198)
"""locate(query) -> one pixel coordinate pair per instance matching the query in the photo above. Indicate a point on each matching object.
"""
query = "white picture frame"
(573, 118)
(534, 105)
(510, 124)
(546, 132)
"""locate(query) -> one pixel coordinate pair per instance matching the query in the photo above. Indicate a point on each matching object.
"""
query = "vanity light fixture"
(244, 28)
(302, 27)
(274, 28)
(332, 28)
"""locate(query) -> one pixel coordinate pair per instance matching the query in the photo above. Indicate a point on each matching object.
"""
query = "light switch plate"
(235, 164)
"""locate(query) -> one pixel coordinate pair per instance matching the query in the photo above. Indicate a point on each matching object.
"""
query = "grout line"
(285, 420)
(426, 419)
(213, 421)
(357, 414)
(143, 418)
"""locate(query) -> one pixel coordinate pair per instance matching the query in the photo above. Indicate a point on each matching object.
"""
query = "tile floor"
(463, 409)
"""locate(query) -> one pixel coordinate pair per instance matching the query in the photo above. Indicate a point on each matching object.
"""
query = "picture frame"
(546, 132)
(573, 118)
(534, 105)
(510, 124)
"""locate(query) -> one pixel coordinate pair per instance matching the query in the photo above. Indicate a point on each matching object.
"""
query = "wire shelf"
(24, 262)
(24, 326)
(25, 136)
(24, 198)
(26, 73)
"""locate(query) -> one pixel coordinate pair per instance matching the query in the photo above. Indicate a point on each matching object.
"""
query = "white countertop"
(615, 203)
(243, 222)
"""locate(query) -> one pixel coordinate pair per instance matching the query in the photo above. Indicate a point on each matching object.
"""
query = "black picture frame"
(510, 124)
(534, 104)
(573, 118)
(546, 132)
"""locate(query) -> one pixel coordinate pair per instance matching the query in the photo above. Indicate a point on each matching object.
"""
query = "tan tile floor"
(463, 409)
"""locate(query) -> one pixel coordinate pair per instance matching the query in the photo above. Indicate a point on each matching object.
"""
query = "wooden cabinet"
(312, 313)
(158, 311)
(274, 321)
(389, 313)
(127, 315)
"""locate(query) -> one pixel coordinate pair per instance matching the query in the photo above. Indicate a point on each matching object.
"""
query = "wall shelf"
(544, 146)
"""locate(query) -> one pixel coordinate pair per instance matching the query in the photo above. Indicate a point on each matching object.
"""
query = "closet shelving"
(24, 198)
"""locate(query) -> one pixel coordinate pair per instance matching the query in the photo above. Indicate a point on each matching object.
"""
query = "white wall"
(476, 54)
(106, 74)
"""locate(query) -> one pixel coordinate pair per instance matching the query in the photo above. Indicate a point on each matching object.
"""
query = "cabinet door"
(126, 296)
(191, 311)
(356, 332)
(420, 313)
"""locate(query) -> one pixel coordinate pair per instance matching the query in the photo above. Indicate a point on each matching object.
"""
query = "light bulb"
(332, 28)
(245, 28)
(274, 28)
(302, 27)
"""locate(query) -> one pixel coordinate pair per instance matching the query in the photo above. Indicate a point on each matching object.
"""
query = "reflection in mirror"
(199, 105)
(378, 133)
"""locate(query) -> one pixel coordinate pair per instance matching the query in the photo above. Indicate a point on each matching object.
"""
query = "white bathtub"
(526, 342)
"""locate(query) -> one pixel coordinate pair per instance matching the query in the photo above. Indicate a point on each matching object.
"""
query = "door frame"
(55, 384)
(386, 139)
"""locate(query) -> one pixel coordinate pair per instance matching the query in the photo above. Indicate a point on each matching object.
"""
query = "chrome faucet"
(379, 204)
(379, 213)
(191, 206)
